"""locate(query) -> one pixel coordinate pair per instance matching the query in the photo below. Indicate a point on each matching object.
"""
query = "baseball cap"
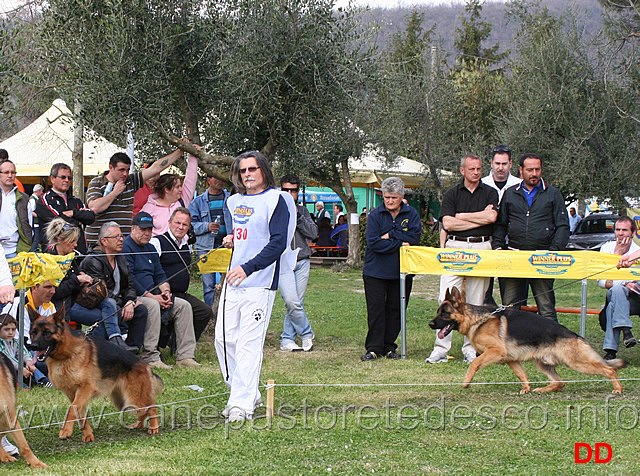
(143, 220)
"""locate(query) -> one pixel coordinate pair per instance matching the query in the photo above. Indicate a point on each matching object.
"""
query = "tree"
(469, 39)
(413, 104)
(558, 108)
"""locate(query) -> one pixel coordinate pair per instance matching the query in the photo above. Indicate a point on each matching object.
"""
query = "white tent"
(49, 140)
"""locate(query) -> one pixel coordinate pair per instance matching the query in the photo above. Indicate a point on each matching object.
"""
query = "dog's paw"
(153, 431)
(36, 463)
(465, 385)
(64, 434)
(88, 438)
(524, 391)
(136, 425)
(7, 458)
(617, 392)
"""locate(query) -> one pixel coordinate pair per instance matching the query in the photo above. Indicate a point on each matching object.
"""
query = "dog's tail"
(156, 384)
(616, 363)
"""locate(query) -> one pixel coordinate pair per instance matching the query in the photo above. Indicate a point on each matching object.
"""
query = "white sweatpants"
(241, 327)
(475, 289)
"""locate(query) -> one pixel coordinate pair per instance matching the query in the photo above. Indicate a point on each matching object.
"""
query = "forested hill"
(447, 17)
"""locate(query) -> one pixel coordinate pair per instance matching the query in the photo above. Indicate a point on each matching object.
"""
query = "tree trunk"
(78, 154)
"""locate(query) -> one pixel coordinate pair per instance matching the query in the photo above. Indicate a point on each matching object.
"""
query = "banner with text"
(514, 264)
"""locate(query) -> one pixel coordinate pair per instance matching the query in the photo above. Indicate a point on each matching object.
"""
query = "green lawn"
(383, 416)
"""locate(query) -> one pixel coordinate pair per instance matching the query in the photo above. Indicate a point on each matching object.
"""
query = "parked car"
(593, 231)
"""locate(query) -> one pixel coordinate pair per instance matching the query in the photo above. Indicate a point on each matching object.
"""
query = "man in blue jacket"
(389, 226)
(211, 222)
(532, 217)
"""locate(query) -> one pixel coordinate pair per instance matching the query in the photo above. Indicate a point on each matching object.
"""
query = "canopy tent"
(373, 170)
(49, 140)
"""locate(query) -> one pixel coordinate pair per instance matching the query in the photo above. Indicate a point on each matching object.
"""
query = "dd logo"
(590, 452)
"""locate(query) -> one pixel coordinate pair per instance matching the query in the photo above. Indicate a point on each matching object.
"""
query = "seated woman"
(340, 235)
(63, 239)
(324, 233)
(169, 194)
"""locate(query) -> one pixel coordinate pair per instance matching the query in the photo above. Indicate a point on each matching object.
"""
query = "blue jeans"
(619, 308)
(87, 317)
(209, 281)
(293, 287)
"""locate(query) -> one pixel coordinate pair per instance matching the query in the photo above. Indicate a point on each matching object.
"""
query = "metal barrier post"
(583, 309)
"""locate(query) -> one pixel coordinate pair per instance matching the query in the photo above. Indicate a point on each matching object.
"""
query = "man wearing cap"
(175, 259)
(154, 292)
(60, 202)
(468, 212)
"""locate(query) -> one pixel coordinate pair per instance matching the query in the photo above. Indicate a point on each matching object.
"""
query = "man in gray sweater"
(293, 285)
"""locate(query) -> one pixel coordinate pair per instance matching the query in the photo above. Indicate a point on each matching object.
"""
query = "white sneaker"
(436, 358)
(236, 414)
(470, 357)
(225, 413)
(290, 347)
(307, 344)
(9, 448)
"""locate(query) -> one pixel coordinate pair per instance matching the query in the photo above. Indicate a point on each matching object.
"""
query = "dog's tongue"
(442, 333)
(40, 355)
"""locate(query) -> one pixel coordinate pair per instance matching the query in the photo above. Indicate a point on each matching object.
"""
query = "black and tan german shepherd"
(8, 419)
(514, 336)
(85, 367)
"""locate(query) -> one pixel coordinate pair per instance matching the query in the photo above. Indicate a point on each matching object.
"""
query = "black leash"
(93, 326)
(503, 307)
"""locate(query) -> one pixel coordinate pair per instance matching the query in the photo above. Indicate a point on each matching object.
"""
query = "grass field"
(336, 414)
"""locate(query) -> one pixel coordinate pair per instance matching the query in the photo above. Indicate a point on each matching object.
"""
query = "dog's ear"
(447, 295)
(454, 295)
(463, 294)
(58, 317)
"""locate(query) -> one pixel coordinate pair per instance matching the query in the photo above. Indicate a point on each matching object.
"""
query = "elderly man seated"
(622, 296)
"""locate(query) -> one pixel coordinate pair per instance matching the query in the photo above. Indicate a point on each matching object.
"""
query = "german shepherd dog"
(514, 336)
(8, 418)
(83, 368)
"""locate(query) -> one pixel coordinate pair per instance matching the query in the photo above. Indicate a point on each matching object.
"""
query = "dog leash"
(94, 326)
(503, 307)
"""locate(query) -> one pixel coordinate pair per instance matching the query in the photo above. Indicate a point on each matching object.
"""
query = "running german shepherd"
(514, 336)
(83, 367)
(8, 418)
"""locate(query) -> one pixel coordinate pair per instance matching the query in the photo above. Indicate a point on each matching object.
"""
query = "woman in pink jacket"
(168, 191)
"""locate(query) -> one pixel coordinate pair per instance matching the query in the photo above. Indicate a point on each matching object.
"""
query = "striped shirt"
(10, 349)
(120, 210)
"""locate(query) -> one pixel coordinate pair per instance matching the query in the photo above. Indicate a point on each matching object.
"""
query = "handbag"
(91, 295)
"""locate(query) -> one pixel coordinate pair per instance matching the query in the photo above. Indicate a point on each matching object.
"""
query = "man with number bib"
(264, 222)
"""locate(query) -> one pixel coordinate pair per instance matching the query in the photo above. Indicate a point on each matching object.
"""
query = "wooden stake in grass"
(271, 398)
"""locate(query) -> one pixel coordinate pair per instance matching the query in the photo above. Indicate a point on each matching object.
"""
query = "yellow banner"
(514, 264)
(29, 269)
(215, 261)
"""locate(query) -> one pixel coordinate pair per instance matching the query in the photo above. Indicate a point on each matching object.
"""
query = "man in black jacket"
(59, 202)
(175, 258)
(106, 262)
(532, 217)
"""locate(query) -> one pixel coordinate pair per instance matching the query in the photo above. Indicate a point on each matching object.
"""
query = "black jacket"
(543, 226)
(97, 265)
(51, 205)
(69, 286)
